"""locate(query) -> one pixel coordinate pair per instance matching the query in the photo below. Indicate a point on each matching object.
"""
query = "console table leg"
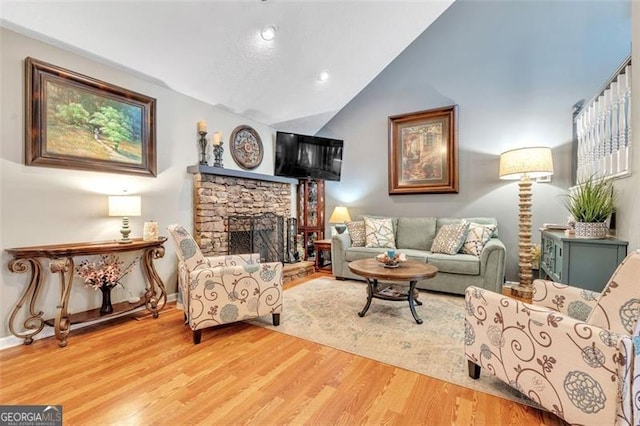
(155, 294)
(34, 322)
(370, 290)
(62, 324)
(412, 287)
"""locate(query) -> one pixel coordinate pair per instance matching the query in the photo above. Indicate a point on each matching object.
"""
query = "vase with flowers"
(104, 275)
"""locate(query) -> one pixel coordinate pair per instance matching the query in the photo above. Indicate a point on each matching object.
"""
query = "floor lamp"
(524, 164)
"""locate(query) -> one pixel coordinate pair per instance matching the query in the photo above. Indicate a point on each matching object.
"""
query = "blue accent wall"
(515, 69)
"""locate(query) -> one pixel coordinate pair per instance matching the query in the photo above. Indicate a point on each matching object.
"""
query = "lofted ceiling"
(213, 50)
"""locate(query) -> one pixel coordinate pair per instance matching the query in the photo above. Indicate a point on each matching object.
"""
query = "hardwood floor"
(141, 371)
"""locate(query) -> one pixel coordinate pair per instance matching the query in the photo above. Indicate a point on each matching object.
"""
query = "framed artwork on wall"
(77, 122)
(423, 152)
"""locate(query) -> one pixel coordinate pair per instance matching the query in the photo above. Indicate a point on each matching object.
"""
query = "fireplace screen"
(262, 234)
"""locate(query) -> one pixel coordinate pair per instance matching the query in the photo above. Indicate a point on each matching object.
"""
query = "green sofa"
(414, 237)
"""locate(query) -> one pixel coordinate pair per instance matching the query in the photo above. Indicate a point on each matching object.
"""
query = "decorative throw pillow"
(379, 232)
(450, 238)
(356, 232)
(476, 238)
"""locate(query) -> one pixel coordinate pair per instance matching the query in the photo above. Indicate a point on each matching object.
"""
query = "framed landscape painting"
(423, 152)
(77, 122)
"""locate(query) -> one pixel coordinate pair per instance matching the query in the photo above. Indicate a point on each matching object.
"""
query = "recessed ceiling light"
(268, 33)
(323, 76)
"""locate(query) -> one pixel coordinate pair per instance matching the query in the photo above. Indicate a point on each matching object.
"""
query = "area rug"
(325, 311)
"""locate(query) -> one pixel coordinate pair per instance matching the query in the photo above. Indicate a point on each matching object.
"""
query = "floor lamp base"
(524, 293)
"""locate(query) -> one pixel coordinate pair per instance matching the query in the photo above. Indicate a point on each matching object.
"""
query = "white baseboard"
(11, 341)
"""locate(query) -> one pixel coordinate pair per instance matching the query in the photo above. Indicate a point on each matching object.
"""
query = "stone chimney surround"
(219, 193)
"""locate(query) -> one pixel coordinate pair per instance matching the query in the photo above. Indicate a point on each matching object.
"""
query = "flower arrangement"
(107, 272)
(392, 261)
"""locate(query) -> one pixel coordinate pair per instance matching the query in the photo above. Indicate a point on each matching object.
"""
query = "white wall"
(47, 205)
(515, 69)
(628, 212)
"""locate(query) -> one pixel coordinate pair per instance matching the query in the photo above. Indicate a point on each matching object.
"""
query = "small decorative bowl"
(391, 262)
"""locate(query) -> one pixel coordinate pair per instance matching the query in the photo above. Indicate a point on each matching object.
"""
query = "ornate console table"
(61, 263)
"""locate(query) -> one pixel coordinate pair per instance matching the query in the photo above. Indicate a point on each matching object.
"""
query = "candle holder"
(203, 148)
(217, 155)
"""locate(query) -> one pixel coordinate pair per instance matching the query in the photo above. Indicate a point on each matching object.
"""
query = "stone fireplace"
(219, 194)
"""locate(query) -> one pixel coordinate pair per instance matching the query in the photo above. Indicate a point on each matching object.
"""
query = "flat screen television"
(308, 157)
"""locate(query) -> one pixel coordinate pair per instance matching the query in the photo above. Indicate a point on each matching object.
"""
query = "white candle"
(216, 138)
(202, 126)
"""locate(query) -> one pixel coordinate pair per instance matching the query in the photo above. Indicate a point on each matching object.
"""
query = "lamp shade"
(340, 215)
(124, 205)
(534, 162)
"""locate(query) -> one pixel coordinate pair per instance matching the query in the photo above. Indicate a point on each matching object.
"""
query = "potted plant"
(590, 204)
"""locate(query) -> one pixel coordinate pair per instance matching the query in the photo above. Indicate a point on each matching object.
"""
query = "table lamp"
(339, 216)
(523, 164)
(125, 206)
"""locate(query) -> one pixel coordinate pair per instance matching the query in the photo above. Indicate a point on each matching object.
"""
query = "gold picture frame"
(77, 122)
(423, 152)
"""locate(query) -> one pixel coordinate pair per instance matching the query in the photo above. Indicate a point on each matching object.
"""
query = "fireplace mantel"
(219, 171)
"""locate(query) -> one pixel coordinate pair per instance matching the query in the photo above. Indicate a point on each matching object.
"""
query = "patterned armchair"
(571, 351)
(224, 289)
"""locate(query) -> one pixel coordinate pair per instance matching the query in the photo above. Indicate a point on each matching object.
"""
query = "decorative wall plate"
(246, 147)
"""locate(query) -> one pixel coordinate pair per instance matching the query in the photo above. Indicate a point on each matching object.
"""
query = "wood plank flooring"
(144, 371)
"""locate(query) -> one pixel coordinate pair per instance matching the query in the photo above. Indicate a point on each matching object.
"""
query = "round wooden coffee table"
(410, 271)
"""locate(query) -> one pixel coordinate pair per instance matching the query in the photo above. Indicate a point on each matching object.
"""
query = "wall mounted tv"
(308, 157)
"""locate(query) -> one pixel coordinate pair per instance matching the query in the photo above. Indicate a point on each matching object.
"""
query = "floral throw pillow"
(379, 232)
(357, 233)
(450, 238)
(476, 238)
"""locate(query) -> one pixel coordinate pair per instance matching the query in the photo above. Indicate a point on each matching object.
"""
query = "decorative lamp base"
(340, 228)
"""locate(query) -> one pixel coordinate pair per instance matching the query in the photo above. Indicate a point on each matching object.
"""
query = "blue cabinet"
(580, 262)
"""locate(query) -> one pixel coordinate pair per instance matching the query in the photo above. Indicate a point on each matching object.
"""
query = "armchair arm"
(572, 301)
(339, 243)
(571, 368)
(183, 287)
(492, 264)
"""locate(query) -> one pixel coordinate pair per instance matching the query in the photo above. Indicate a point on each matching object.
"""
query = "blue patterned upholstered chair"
(571, 350)
(224, 289)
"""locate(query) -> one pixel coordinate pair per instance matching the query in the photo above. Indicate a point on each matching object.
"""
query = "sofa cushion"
(415, 232)
(356, 232)
(379, 232)
(394, 222)
(462, 264)
(476, 238)
(450, 238)
(478, 220)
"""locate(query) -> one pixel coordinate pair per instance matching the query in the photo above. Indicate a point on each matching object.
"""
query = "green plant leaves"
(591, 201)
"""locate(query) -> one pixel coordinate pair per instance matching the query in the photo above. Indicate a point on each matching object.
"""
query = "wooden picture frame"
(77, 122)
(423, 152)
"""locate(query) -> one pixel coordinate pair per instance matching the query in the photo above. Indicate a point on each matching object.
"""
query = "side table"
(61, 263)
(323, 255)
